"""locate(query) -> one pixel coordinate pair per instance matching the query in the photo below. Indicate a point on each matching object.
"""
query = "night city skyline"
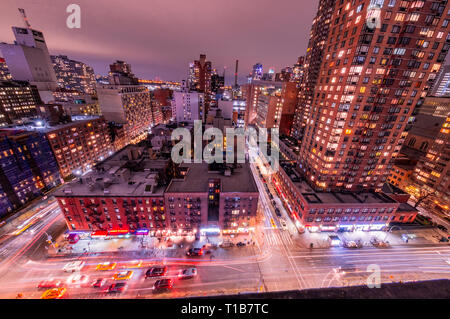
(248, 31)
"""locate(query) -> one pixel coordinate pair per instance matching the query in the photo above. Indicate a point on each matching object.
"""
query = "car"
(106, 266)
(264, 180)
(163, 284)
(270, 195)
(54, 293)
(187, 273)
(99, 282)
(74, 266)
(283, 223)
(194, 252)
(117, 287)
(156, 272)
(442, 227)
(351, 244)
(444, 240)
(277, 212)
(240, 244)
(226, 244)
(50, 284)
(77, 279)
(133, 264)
(123, 275)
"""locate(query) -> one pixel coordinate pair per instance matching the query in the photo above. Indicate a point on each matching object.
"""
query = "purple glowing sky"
(160, 37)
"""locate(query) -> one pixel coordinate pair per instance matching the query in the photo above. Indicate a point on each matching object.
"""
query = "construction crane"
(25, 19)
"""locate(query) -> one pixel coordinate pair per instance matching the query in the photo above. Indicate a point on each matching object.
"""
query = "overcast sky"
(160, 37)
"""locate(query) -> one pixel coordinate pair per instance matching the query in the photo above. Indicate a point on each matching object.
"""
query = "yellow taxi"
(106, 266)
(123, 275)
(54, 293)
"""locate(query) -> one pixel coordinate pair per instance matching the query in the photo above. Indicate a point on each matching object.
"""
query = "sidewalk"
(151, 247)
(394, 238)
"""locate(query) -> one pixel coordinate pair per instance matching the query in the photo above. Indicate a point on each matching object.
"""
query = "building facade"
(189, 106)
(361, 85)
(18, 100)
(441, 86)
(28, 59)
(74, 75)
(213, 200)
(80, 144)
(124, 193)
(130, 105)
(4, 71)
(432, 173)
(27, 168)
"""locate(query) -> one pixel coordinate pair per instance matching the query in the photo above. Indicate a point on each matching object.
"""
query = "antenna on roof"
(24, 17)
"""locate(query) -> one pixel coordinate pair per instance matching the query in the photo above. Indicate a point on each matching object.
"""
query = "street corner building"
(136, 190)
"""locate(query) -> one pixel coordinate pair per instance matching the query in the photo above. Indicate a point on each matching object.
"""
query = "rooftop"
(198, 175)
(316, 197)
(126, 173)
(41, 126)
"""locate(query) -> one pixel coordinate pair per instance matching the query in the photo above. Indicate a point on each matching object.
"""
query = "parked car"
(444, 240)
(351, 244)
(283, 223)
(442, 227)
(194, 252)
(270, 195)
(74, 266)
(277, 212)
(240, 244)
(187, 273)
(163, 284)
(156, 272)
(226, 244)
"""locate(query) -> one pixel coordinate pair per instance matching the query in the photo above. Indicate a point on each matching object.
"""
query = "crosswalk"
(276, 238)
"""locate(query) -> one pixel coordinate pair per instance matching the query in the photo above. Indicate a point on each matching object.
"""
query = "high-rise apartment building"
(126, 102)
(28, 59)
(217, 82)
(77, 145)
(200, 75)
(4, 71)
(74, 75)
(120, 74)
(251, 92)
(432, 173)
(257, 71)
(27, 168)
(441, 86)
(368, 64)
(298, 70)
(130, 105)
(188, 106)
(18, 99)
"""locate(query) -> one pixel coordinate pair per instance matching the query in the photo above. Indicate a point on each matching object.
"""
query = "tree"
(423, 195)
